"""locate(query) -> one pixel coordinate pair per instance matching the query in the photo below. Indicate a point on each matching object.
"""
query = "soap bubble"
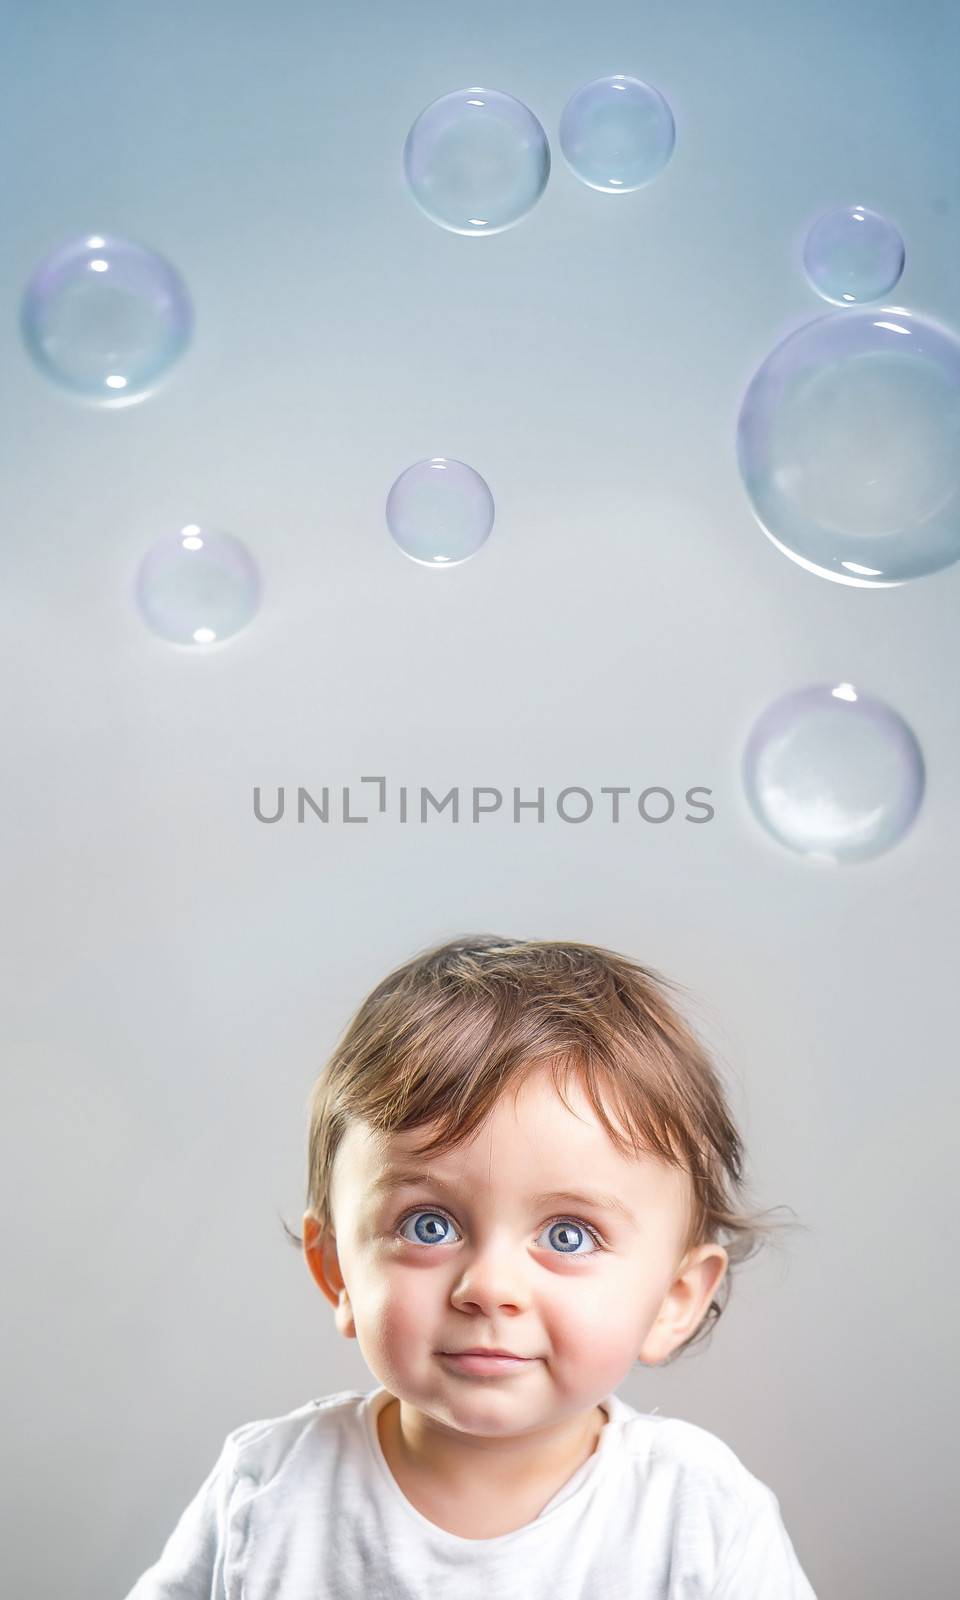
(476, 161)
(106, 318)
(440, 512)
(849, 446)
(853, 254)
(195, 587)
(617, 133)
(833, 773)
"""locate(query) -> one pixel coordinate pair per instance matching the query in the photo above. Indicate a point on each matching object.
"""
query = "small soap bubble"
(106, 318)
(196, 587)
(849, 446)
(440, 512)
(617, 133)
(833, 773)
(853, 254)
(476, 161)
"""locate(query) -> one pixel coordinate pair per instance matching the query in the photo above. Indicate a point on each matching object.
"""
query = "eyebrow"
(400, 1178)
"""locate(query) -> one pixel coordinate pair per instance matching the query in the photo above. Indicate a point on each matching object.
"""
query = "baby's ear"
(310, 1229)
(324, 1263)
(317, 1240)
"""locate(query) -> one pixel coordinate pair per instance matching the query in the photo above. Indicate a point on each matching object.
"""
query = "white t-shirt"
(305, 1507)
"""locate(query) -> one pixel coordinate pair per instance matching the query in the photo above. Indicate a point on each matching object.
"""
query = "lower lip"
(494, 1366)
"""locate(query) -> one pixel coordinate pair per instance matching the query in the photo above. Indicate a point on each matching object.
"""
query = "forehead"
(531, 1150)
(395, 1178)
(531, 1122)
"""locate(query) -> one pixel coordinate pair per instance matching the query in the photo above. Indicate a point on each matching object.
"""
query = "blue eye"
(566, 1223)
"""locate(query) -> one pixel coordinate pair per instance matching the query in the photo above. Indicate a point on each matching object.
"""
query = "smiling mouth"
(491, 1355)
(478, 1362)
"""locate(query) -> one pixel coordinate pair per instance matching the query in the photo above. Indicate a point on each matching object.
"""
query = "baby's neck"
(480, 1494)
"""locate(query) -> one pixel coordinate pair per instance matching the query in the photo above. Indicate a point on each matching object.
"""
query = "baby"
(520, 1160)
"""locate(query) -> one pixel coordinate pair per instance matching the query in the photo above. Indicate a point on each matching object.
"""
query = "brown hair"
(442, 1037)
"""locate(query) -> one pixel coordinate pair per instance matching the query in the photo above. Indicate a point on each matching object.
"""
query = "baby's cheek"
(404, 1322)
(600, 1328)
(612, 1347)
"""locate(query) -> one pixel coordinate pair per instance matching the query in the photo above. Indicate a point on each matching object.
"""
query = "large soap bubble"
(849, 446)
(106, 318)
(832, 772)
(617, 134)
(197, 587)
(440, 512)
(852, 255)
(476, 161)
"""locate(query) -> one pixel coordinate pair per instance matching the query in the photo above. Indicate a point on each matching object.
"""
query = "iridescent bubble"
(853, 254)
(106, 318)
(195, 587)
(617, 133)
(849, 446)
(440, 512)
(476, 161)
(833, 773)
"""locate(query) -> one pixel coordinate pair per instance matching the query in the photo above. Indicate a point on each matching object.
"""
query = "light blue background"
(174, 973)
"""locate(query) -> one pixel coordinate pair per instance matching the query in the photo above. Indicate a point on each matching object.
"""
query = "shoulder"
(697, 1463)
(723, 1523)
(258, 1450)
(675, 1439)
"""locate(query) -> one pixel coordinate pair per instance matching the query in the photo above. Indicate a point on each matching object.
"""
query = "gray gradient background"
(174, 973)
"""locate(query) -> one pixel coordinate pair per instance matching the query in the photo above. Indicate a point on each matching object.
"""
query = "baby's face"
(477, 1254)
